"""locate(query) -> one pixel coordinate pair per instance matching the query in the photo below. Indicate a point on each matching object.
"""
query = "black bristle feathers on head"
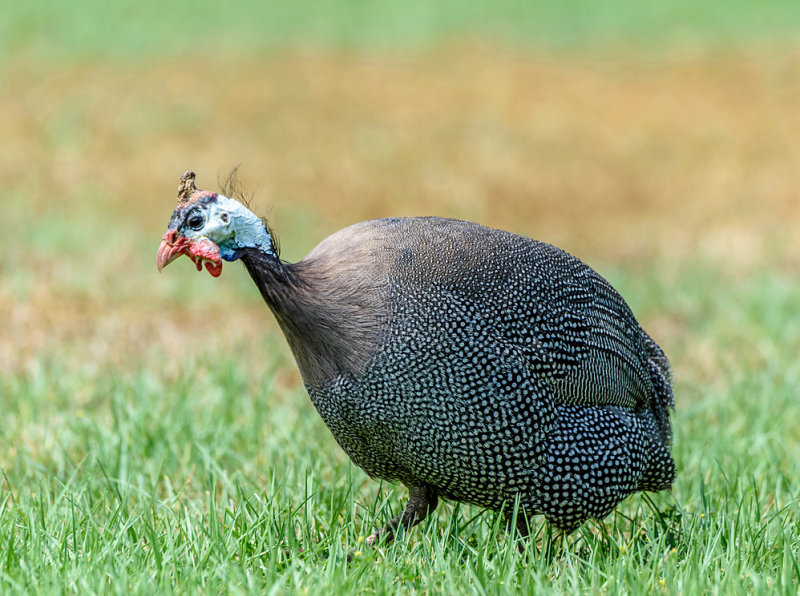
(231, 186)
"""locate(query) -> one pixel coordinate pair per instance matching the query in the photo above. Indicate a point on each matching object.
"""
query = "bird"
(468, 363)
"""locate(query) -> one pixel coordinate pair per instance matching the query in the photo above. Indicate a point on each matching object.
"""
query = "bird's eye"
(195, 221)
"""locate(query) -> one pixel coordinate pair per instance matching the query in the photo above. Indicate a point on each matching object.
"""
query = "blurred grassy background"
(657, 141)
(130, 30)
(679, 150)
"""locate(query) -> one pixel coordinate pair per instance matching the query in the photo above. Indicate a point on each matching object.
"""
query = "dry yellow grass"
(154, 433)
(617, 159)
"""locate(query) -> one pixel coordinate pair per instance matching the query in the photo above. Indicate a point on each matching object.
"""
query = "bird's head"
(208, 227)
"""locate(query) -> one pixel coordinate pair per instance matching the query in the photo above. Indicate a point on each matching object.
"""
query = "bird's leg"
(555, 541)
(521, 526)
(422, 500)
(552, 542)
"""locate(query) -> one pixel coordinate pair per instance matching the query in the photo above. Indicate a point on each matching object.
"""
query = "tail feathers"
(662, 400)
(659, 468)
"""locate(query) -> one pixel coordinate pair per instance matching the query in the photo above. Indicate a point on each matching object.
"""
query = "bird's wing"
(574, 329)
(611, 363)
(576, 332)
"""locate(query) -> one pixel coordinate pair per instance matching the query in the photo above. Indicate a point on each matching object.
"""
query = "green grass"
(153, 434)
(132, 29)
(215, 476)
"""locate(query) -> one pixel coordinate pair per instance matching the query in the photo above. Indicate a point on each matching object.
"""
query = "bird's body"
(476, 365)
(480, 363)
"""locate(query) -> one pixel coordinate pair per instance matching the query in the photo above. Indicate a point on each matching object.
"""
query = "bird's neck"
(329, 327)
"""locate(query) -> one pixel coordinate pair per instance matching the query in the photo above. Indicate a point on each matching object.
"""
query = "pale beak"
(172, 246)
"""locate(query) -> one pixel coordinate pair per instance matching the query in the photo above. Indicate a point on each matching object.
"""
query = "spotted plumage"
(473, 364)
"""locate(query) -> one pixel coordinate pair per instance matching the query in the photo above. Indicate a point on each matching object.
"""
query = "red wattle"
(200, 251)
(215, 269)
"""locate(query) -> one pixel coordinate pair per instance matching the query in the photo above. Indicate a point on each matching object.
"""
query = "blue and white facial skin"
(209, 227)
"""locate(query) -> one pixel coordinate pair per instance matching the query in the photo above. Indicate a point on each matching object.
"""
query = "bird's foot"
(422, 500)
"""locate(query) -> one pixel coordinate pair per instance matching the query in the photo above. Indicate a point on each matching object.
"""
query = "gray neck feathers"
(331, 317)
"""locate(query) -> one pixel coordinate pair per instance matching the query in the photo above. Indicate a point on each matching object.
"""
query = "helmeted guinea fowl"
(466, 362)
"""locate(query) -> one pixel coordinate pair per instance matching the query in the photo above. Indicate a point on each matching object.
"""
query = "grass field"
(155, 435)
